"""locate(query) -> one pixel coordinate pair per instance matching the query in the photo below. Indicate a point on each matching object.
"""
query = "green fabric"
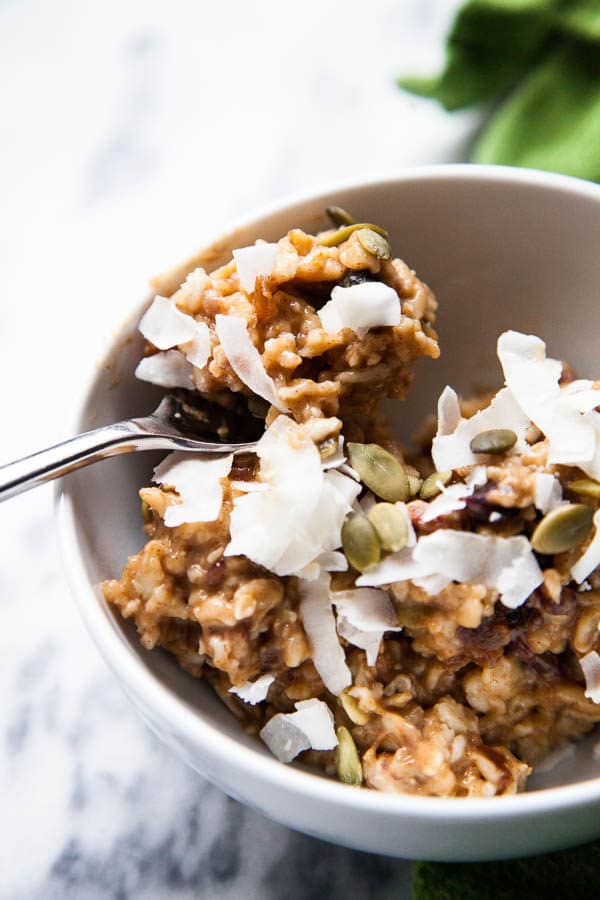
(539, 60)
(570, 873)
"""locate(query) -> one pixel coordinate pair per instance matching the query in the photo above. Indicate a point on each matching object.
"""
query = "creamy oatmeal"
(423, 622)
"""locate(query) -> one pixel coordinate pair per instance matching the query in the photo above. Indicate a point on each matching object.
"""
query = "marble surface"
(129, 133)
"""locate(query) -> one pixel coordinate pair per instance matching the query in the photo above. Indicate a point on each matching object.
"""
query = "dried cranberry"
(358, 277)
(479, 508)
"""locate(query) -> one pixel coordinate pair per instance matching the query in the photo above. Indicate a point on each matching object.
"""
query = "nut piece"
(339, 216)
(585, 487)
(352, 709)
(374, 243)
(496, 440)
(563, 528)
(390, 524)
(380, 471)
(342, 234)
(360, 543)
(347, 760)
(431, 486)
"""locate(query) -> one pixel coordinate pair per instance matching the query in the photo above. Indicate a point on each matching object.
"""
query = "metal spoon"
(153, 432)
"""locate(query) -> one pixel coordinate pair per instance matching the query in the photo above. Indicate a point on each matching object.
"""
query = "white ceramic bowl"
(502, 248)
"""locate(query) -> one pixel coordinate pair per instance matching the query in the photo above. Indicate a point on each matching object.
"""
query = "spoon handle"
(86, 448)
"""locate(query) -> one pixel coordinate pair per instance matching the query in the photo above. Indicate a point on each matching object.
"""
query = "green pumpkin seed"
(414, 485)
(347, 760)
(340, 216)
(496, 440)
(380, 471)
(585, 487)
(360, 543)
(352, 709)
(431, 486)
(342, 234)
(390, 524)
(563, 528)
(258, 407)
(374, 243)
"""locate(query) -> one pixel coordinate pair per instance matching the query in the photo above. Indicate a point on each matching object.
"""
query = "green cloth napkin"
(570, 873)
(538, 63)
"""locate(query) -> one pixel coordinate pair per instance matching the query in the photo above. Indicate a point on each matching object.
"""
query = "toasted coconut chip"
(547, 492)
(452, 451)
(534, 381)
(168, 369)
(432, 584)
(364, 615)
(197, 350)
(336, 459)
(264, 523)
(360, 307)
(310, 727)
(505, 564)
(244, 358)
(581, 395)
(197, 479)
(590, 559)
(590, 666)
(253, 261)
(329, 561)
(253, 692)
(319, 623)
(165, 326)
(448, 412)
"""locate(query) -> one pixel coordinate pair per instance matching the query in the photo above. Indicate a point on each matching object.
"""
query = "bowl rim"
(129, 668)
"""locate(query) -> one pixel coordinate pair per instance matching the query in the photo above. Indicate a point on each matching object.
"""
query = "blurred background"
(129, 134)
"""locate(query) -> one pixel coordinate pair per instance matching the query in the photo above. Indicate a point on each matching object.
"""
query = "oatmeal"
(421, 622)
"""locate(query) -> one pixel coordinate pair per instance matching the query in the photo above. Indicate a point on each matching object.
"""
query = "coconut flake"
(360, 307)
(448, 412)
(319, 624)
(254, 261)
(197, 479)
(166, 326)
(168, 369)
(244, 358)
(590, 666)
(547, 491)
(363, 615)
(452, 451)
(506, 564)
(590, 559)
(253, 692)
(534, 381)
(329, 561)
(454, 498)
(264, 524)
(310, 727)
(197, 350)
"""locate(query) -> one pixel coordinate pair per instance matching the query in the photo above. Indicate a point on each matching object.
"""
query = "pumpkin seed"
(374, 243)
(431, 486)
(347, 760)
(352, 709)
(360, 543)
(563, 528)
(340, 216)
(414, 485)
(258, 407)
(390, 524)
(342, 234)
(496, 440)
(380, 471)
(585, 487)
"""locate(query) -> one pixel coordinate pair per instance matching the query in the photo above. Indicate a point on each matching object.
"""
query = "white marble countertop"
(129, 133)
